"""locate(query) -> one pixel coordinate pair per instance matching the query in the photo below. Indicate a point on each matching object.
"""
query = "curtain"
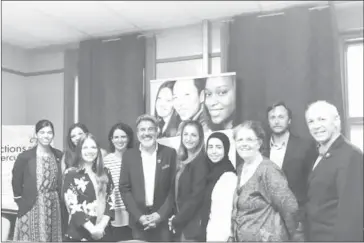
(290, 57)
(111, 83)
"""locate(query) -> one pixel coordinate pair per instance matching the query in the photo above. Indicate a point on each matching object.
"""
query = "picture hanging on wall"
(209, 99)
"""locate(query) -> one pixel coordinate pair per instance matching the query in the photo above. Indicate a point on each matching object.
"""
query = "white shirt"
(149, 165)
(219, 225)
(323, 151)
(278, 151)
(249, 169)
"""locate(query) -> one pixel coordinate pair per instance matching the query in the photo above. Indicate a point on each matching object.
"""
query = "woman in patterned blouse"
(87, 193)
(264, 208)
(36, 186)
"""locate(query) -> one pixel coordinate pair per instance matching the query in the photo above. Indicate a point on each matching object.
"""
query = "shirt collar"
(143, 151)
(322, 149)
(281, 145)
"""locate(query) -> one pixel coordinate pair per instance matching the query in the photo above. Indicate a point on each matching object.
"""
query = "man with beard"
(146, 183)
(291, 153)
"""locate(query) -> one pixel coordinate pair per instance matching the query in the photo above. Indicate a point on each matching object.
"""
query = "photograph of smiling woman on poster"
(220, 102)
(168, 119)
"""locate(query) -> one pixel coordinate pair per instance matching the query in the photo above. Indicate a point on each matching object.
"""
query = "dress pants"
(160, 233)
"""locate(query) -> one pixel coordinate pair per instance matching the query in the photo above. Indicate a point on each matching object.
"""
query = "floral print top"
(83, 203)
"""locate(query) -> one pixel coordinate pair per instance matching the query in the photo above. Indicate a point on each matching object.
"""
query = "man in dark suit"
(334, 210)
(291, 153)
(147, 183)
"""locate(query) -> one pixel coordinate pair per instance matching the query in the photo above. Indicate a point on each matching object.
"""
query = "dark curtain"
(291, 57)
(111, 83)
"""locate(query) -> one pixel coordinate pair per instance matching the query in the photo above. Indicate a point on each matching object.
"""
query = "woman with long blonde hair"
(87, 191)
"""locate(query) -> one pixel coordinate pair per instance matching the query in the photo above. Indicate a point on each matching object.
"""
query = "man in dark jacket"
(334, 209)
(147, 182)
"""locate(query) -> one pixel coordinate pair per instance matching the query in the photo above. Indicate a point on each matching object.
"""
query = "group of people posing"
(283, 187)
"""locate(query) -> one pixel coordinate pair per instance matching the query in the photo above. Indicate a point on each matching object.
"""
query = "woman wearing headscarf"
(221, 184)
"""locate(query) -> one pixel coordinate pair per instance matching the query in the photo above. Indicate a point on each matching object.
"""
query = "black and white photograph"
(211, 100)
(182, 121)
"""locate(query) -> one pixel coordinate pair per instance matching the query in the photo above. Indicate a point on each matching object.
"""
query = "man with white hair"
(334, 208)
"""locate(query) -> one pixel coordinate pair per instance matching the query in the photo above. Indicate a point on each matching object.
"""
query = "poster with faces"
(15, 139)
(210, 100)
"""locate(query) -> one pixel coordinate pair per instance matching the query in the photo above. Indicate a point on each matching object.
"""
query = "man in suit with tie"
(147, 182)
(334, 209)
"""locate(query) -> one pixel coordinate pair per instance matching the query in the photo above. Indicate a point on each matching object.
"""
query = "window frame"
(348, 40)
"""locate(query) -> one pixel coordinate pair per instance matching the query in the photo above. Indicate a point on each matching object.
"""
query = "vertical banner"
(14, 140)
(209, 99)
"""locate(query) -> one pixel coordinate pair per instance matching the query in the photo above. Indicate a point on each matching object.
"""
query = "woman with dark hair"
(265, 209)
(36, 186)
(75, 133)
(166, 115)
(221, 184)
(121, 137)
(220, 98)
(87, 192)
(190, 183)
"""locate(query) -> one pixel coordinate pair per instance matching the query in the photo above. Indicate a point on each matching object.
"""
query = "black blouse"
(80, 198)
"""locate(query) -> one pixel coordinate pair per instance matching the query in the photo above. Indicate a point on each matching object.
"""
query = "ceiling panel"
(219, 9)
(91, 18)
(152, 15)
(41, 23)
(276, 5)
(29, 22)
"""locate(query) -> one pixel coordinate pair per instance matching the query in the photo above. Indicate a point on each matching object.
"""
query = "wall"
(13, 99)
(32, 88)
(179, 51)
(13, 90)
(14, 58)
(349, 16)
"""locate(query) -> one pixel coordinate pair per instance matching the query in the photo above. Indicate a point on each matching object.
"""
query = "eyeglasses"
(246, 140)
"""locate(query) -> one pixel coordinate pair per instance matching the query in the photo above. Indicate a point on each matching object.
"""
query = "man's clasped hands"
(150, 221)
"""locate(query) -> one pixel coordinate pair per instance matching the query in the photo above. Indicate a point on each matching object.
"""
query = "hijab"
(215, 172)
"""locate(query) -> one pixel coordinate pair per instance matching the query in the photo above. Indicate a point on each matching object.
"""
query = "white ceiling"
(34, 24)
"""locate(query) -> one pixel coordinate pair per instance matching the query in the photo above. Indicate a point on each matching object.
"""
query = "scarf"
(215, 172)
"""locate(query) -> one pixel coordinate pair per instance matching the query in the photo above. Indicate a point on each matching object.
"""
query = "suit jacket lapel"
(32, 163)
(158, 168)
(289, 152)
(140, 171)
(337, 143)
